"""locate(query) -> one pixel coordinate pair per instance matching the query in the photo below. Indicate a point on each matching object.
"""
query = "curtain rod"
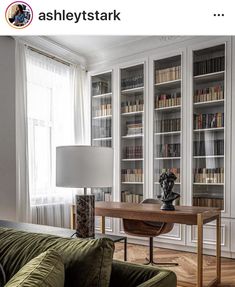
(49, 56)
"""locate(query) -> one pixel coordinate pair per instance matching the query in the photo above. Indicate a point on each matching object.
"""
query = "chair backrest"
(151, 200)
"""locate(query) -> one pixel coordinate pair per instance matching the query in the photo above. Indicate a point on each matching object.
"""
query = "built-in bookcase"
(209, 126)
(132, 133)
(167, 120)
(101, 119)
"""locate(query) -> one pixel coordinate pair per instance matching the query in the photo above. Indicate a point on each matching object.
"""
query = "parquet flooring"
(186, 271)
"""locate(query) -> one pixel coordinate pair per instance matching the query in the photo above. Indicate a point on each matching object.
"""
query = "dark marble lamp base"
(85, 216)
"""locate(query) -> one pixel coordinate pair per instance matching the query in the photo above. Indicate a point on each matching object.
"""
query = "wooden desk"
(189, 215)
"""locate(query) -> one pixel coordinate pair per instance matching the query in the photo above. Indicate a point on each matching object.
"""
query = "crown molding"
(50, 47)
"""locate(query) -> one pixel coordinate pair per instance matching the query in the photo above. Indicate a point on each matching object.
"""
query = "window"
(50, 124)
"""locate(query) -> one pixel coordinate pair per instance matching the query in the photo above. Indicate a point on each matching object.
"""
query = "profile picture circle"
(19, 14)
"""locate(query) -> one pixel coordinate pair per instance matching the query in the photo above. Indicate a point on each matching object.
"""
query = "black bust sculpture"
(167, 181)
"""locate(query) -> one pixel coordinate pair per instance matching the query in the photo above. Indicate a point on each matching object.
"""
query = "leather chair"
(148, 229)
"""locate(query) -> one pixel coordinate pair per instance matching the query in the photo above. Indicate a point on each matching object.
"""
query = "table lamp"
(84, 167)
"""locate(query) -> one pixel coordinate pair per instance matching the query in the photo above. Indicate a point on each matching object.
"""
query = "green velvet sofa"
(87, 263)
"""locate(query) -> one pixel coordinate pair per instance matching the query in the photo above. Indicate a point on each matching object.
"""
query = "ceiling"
(89, 45)
(99, 49)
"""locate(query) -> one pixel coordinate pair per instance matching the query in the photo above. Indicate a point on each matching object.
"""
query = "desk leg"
(103, 224)
(199, 250)
(218, 249)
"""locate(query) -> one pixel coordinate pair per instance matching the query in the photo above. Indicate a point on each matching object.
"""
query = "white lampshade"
(84, 166)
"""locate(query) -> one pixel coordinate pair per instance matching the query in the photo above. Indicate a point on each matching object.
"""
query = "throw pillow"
(45, 270)
(88, 262)
(2, 276)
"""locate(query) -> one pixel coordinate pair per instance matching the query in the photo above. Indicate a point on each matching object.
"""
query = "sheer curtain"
(23, 210)
(50, 103)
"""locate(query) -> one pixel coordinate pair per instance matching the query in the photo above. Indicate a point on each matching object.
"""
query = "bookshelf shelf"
(101, 121)
(132, 136)
(102, 117)
(210, 183)
(132, 131)
(168, 108)
(102, 96)
(169, 83)
(168, 158)
(209, 130)
(132, 113)
(132, 182)
(132, 159)
(208, 156)
(210, 76)
(208, 110)
(209, 103)
(102, 139)
(133, 90)
(168, 133)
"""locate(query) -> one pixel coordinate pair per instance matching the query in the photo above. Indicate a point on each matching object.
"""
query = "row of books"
(168, 150)
(100, 87)
(134, 127)
(136, 105)
(168, 125)
(168, 100)
(132, 175)
(127, 196)
(133, 81)
(133, 152)
(208, 94)
(101, 194)
(208, 202)
(102, 110)
(209, 175)
(209, 66)
(206, 121)
(207, 148)
(102, 129)
(175, 170)
(168, 74)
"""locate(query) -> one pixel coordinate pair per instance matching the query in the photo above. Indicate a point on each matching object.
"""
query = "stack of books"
(209, 175)
(208, 94)
(168, 100)
(132, 175)
(206, 121)
(168, 74)
(168, 125)
(209, 66)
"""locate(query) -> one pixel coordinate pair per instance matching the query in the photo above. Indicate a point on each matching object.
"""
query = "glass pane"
(167, 120)
(208, 125)
(132, 133)
(41, 145)
(39, 96)
(101, 130)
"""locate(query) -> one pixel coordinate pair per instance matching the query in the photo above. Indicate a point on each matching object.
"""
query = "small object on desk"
(167, 181)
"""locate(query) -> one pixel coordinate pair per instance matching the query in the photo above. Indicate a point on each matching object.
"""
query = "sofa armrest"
(132, 275)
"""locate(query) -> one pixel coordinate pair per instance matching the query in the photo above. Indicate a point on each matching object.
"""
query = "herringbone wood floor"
(186, 271)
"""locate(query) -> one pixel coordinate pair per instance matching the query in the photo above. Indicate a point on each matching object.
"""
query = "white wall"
(7, 129)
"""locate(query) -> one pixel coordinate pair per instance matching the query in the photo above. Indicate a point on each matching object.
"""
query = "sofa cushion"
(45, 270)
(87, 262)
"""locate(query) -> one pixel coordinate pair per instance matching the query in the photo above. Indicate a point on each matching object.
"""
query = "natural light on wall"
(50, 123)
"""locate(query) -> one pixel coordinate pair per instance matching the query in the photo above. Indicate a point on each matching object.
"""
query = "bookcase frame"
(181, 236)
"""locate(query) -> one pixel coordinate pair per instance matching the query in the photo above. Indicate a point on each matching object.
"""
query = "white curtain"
(22, 180)
(58, 114)
(81, 106)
